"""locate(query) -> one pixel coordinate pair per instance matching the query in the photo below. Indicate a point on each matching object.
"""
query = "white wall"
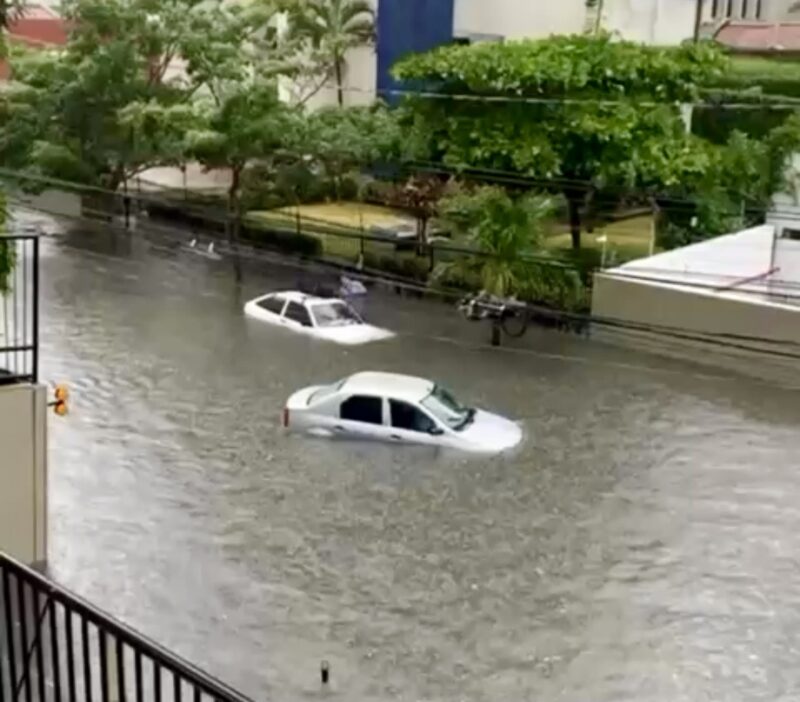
(23, 472)
(517, 19)
(360, 78)
(660, 22)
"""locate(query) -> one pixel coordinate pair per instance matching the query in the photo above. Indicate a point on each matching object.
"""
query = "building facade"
(410, 26)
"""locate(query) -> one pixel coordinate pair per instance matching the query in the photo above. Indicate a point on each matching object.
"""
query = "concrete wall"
(55, 202)
(23, 472)
(659, 22)
(517, 19)
(692, 311)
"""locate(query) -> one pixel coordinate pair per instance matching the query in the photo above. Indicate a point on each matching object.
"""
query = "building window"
(793, 234)
(729, 9)
(744, 9)
(758, 9)
(715, 9)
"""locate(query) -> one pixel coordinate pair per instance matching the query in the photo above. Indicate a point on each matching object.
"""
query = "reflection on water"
(641, 546)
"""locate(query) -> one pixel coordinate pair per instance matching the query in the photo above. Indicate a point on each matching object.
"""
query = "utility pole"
(698, 19)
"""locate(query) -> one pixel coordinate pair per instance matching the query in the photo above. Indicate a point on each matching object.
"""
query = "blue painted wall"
(406, 26)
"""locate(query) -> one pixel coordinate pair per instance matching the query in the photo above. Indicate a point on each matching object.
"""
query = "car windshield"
(442, 405)
(324, 391)
(334, 314)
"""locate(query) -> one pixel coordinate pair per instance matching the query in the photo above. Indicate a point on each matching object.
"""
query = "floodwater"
(643, 545)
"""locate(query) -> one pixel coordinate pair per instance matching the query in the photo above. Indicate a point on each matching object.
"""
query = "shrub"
(286, 242)
(410, 268)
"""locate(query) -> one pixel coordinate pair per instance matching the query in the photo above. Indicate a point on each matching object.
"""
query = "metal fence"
(19, 309)
(56, 647)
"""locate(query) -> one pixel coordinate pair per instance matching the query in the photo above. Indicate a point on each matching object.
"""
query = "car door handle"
(339, 429)
(395, 437)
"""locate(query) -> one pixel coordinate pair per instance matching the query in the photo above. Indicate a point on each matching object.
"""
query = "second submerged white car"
(330, 319)
(399, 409)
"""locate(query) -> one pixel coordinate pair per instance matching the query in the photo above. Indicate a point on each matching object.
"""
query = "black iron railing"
(19, 309)
(56, 647)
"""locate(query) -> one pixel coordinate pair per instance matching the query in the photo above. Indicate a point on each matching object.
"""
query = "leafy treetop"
(570, 65)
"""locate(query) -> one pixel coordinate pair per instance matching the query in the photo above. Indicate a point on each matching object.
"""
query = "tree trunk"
(574, 206)
(234, 215)
(591, 211)
(339, 86)
(422, 235)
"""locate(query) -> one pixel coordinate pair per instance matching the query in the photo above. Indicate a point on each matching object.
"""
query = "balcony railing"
(55, 647)
(19, 309)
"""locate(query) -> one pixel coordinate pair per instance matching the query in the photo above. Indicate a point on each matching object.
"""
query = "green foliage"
(570, 66)
(328, 29)
(108, 106)
(6, 250)
(344, 141)
(9, 11)
(600, 114)
(287, 242)
(503, 232)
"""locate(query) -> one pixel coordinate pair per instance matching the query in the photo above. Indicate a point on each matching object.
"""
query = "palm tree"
(333, 27)
(505, 234)
(9, 11)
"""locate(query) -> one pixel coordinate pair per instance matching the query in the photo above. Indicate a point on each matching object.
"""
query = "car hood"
(491, 432)
(353, 334)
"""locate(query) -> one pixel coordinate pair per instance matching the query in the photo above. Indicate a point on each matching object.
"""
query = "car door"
(297, 318)
(361, 417)
(411, 424)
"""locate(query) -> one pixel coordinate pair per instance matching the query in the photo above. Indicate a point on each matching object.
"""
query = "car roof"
(393, 385)
(301, 297)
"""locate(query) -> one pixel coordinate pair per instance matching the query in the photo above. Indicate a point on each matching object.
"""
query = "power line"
(722, 340)
(222, 218)
(710, 104)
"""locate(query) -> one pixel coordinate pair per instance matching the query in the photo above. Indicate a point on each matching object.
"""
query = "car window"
(442, 405)
(361, 408)
(298, 313)
(334, 314)
(410, 418)
(325, 391)
(273, 303)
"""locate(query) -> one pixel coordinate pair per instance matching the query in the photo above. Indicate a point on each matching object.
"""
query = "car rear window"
(273, 303)
(325, 391)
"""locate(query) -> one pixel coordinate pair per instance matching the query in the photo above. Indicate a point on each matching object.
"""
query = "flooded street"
(642, 545)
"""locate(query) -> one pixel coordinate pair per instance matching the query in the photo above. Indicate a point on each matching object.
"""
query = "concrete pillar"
(23, 472)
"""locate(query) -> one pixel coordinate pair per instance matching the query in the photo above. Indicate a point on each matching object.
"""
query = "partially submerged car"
(400, 409)
(330, 319)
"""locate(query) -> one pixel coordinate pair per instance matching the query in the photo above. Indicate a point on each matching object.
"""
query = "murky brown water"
(643, 546)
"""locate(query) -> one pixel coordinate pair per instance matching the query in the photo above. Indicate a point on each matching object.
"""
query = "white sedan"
(325, 318)
(400, 409)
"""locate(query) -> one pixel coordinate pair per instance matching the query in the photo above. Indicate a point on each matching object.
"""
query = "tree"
(420, 196)
(345, 141)
(331, 28)
(503, 231)
(6, 250)
(9, 11)
(92, 112)
(580, 114)
(248, 125)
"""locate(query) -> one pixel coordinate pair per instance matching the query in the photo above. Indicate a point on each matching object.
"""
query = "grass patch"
(340, 226)
(626, 240)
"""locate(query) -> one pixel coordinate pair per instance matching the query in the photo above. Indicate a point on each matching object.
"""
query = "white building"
(405, 26)
(726, 298)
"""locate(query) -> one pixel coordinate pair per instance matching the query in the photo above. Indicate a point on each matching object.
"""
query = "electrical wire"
(534, 353)
(734, 342)
(221, 219)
